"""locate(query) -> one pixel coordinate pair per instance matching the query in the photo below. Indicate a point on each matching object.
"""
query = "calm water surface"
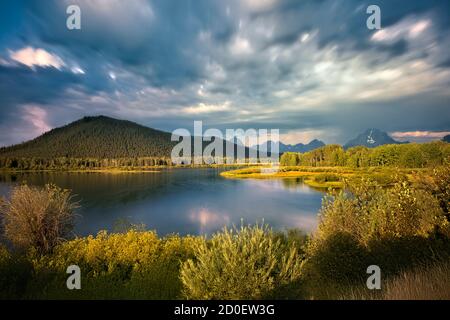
(184, 201)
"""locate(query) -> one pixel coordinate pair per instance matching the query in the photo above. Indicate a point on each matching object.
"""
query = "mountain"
(95, 137)
(446, 138)
(300, 147)
(371, 138)
(101, 138)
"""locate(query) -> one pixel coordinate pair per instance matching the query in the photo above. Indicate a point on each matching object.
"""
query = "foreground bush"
(369, 211)
(240, 264)
(38, 217)
(133, 265)
(397, 228)
(15, 274)
(339, 259)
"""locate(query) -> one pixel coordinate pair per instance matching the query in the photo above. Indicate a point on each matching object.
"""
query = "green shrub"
(398, 254)
(240, 264)
(396, 228)
(337, 259)
(438, 184)
(38, 218)
(370, 211)
(15, 274)
(327, 177)
(133, 265)
(292, 238)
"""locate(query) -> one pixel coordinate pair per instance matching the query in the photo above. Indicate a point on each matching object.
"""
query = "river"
(183, 201)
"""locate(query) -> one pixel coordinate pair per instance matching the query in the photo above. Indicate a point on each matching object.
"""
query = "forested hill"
(95, 137)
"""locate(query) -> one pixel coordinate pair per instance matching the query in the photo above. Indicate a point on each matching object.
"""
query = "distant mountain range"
(282, 148)
(371, 138)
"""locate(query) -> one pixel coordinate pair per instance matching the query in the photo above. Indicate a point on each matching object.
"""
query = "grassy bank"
(328, 177)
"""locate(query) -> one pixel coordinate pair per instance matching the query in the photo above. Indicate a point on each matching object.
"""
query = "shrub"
(395, 228)
(439, 185)
(405, 211)
(370, 211)
(337, 259)
(38, 218)
(134, 265)
(239, 264)
(15, 273)
(398, 254)
(327, 177)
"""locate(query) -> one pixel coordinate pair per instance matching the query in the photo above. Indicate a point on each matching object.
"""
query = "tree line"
(411, 155)
(405, 155)
(64, 163)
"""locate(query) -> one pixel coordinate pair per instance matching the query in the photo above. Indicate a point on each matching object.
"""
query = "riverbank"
(130, 169)
(326, 177)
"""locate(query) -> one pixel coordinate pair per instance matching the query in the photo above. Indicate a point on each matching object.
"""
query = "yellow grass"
(425, 283)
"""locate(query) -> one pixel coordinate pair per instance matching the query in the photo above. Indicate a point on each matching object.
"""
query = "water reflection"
(208, 220)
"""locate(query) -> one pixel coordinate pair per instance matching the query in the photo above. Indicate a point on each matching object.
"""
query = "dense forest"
(95, 138)
(64, 163)
(396, 155)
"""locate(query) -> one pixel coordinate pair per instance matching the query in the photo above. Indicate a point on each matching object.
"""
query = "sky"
(310, 68)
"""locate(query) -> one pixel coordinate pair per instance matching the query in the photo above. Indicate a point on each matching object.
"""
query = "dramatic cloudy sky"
(308, 67)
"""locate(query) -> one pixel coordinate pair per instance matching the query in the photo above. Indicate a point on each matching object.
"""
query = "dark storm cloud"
(21, 85)
(155, 39)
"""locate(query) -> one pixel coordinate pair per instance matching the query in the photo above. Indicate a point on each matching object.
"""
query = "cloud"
(409, 28)
(419, 136)
(37, 118)
(259, 5)
(32, 57)
(77, 70)
(303, 136)
(240, 46)
(207, 108)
